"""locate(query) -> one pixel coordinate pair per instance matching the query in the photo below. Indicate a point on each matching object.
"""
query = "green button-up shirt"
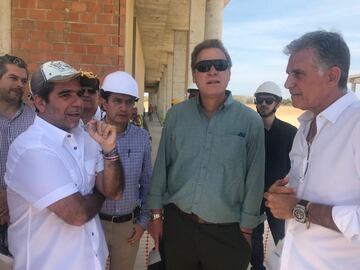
(213, 167)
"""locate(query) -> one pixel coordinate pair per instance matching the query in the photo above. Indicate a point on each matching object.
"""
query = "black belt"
(122, 218)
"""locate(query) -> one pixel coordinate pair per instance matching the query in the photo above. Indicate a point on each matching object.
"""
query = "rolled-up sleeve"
(347, 219)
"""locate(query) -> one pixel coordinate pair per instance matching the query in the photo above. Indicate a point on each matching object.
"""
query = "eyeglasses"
(90, 91)
(260, 100)
(218, 64)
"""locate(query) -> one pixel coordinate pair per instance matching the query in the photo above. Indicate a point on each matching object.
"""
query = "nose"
(213, 70)
(77, 102)
(289, 82)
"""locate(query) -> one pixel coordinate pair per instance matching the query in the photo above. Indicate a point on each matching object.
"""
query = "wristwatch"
(300, 211)
(154, 216)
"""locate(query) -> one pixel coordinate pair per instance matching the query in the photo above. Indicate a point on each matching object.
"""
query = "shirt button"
(92, 233)
(69, 136)
(75, 147)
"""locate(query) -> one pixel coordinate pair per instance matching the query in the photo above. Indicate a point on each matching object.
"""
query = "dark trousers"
(277, 227)
(202, 246)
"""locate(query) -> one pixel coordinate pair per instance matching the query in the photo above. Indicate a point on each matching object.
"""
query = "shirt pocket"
(231, 150)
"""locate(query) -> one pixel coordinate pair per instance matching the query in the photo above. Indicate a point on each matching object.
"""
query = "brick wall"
(87, 34)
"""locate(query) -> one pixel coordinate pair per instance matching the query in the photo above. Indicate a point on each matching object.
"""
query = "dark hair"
(105, 94)
(208, 44)
(39, 86)
(329, 48)
(11, 59)
(93, 83)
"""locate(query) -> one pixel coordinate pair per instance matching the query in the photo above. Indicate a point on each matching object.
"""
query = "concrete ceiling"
(157, 20)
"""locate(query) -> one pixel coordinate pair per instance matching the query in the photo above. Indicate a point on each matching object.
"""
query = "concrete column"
(169, 83)
(5, 26)
(214, 19)
(196, 30)
(353, 87)
(180, 65)
(161, 95)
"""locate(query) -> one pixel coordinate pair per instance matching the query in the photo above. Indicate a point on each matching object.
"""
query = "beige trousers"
(122, 254)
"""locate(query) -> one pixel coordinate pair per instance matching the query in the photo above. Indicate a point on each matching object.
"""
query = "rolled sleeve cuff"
(347, 219)
(56, 195)
(154, 202)
(251, 221)
(144, 219)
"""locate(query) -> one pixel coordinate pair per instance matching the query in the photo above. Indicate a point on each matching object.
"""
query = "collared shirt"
(327, 172)
(135, 155)
(46, 164)
(213, 167)
(9, 130)
(278, 143)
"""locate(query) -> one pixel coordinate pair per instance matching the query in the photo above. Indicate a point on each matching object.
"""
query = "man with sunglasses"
(320, 198)
(208, 177)
(125, 221)
(58, 176)
(90, 84)
(279, 137)
(15, 118)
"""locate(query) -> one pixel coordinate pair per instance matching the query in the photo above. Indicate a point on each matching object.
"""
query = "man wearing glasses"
(125, 221)
(279, 137)
(90, 84)
(209, 173)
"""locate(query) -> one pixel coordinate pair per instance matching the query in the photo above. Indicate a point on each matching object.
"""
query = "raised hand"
(103, 133)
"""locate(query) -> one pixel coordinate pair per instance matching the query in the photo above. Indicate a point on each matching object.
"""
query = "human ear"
(40, 104)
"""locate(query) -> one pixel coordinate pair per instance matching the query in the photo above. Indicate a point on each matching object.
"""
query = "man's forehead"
(121, 96)
(14, 70)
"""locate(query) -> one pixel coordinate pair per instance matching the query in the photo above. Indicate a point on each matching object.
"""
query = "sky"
(255, 33)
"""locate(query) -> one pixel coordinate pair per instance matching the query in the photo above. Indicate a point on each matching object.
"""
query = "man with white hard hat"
(58, 176)
(124, 221)
(279, 136)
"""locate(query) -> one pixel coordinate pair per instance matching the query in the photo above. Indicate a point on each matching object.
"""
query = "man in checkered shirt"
(124, 221)
(15, 117)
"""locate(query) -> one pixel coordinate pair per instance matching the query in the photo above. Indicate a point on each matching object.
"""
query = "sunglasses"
(218, 64)
(90, 91)
(268, 100)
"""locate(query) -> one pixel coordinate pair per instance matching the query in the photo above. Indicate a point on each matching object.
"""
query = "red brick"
(94, 49)
(72, 38)
(88, 39)
(93, 7)
(38, 57)
(87, 18)
(60, 26)
(78, 7)
(37, 14)
(106, 60)
(15, 3)
(30, 45)
(27, 3)
(45, 4)
(55, 56)
(45, 46)
(103, 40)
(87, 59)
(59, 5)
(55, 16)
(111, 29)
(55, 36)
(104, 19)
(73, 17)
(21, 34)
(110, 51)
(115, 40)
(79, 27)
(60, 47)
(97, 29)
(38, 35)
(19, 13)
(45, 26)
(73, 48)
(72, 59)
(113, 9)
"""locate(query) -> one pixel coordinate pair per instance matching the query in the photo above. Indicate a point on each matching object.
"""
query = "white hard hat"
(269, 87)
(122, 83)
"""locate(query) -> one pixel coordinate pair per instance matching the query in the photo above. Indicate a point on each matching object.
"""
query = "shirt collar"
(18, 112)
(56, 134)
(332, 112)
(228, 100)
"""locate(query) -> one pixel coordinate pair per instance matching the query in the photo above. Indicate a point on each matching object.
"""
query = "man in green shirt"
(209, 173)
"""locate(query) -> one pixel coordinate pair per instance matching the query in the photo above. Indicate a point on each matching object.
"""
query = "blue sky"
(256, 31)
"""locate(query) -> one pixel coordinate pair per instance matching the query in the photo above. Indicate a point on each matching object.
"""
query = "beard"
(265, 114)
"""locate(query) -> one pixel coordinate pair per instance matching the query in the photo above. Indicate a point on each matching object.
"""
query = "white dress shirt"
(327, 172)
(46, 164)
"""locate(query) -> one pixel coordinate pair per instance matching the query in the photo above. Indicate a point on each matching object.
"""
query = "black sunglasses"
(218, 64)
(91, 91)
(268, 100)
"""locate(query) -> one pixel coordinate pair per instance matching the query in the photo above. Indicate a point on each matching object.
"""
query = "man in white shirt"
(322, 201)
(56, 185)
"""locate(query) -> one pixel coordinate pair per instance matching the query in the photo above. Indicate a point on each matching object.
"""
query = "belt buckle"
(113, 218)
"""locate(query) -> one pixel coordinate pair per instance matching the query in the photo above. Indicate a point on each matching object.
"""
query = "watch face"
(299, 213)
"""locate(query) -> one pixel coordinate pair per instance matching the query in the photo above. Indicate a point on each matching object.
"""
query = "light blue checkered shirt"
(9, 130)
(135, 153)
